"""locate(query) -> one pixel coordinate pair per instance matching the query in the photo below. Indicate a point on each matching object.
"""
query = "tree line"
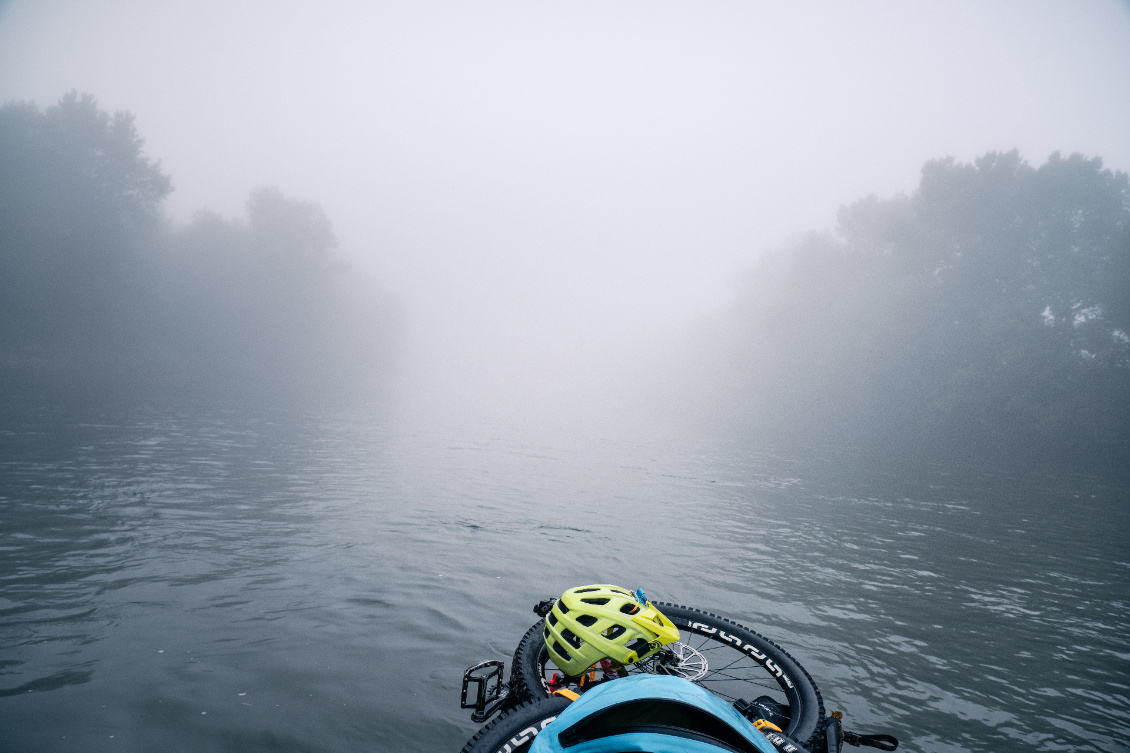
(102, 296)
(987, 314)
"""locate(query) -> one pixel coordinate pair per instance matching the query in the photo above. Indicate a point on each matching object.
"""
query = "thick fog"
(552, 190)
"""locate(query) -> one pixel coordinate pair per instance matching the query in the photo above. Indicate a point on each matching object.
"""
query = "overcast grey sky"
(537, 180)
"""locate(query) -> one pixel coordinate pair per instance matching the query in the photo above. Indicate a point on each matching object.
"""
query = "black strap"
(882, 742)
(783, 743)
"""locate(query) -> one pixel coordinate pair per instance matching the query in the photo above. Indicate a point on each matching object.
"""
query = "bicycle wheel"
(722, 656)
(514, 730)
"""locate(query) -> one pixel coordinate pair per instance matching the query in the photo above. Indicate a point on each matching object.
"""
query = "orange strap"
(566, 693)
(765, 723)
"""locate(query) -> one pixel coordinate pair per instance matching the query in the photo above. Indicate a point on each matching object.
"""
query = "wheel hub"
(677, 659)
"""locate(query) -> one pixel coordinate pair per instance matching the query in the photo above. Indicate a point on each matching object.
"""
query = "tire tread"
(529, 649)
(507, 724)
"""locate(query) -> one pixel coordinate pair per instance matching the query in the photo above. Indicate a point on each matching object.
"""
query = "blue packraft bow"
(654, 713)
(716, 686)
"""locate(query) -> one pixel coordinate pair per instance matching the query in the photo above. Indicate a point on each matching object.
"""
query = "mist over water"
(544, 185)
(335, 336)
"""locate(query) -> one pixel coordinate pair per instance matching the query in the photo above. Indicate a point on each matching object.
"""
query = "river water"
(182, 581)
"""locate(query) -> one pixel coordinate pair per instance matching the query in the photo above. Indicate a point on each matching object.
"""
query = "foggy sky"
(542, 183)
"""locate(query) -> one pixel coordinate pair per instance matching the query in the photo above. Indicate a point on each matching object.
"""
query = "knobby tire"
(743, 664)
(513, 731)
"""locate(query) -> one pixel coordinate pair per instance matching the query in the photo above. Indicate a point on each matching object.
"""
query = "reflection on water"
(232, 582)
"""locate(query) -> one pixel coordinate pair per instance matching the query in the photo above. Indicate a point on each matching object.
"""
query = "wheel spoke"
(734, 678)
(737, 659)
(718, 665)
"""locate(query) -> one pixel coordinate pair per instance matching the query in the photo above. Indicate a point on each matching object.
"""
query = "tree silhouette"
(101, 296)
(77, 196)
(986, 313)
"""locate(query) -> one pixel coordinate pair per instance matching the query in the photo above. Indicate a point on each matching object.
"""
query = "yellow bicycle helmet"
(590, 623)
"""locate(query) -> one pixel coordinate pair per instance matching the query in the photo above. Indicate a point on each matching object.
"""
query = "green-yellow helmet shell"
(590, 623)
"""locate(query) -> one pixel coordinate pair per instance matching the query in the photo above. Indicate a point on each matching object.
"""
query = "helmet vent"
(552, 618)
(630, 608)
(573, 640)
(587, 620)
(614, 632)
(639, 645)
(561, 652)
(561, 605)
(597, 601)
(585, 590)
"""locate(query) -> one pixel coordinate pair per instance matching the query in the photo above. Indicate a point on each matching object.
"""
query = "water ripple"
(245, 582)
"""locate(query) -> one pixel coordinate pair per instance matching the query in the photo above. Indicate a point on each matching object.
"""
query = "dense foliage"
(100, 296)
(987, 314)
